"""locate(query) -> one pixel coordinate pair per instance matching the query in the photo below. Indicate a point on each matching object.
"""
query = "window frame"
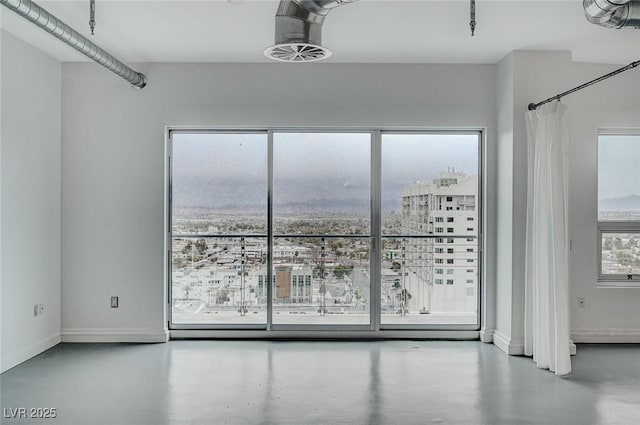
(609, 279)
(613, 226)
(376, 231)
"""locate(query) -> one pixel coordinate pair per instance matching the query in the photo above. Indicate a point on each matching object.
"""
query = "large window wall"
(362, 230)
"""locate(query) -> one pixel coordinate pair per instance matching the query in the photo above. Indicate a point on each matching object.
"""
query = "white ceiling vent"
(297, 52)
(299, 30)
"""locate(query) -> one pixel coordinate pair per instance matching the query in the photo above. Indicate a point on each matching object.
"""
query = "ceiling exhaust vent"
(299, 30)
(297, 52)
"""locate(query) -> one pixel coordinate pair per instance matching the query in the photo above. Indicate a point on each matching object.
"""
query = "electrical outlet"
(35, 310)
(40, 309)
(114, 302)
(581, 302)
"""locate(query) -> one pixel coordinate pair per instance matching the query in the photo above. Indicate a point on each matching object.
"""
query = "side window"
(619, 209)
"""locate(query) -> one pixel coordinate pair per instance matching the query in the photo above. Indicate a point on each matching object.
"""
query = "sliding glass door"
(430, 229)
(218, 228)
(321, 228)
(360, 230)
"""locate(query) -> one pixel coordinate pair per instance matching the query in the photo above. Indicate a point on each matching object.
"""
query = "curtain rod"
(534, 106)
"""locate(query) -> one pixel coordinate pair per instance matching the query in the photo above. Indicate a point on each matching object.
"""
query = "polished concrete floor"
(368, 383)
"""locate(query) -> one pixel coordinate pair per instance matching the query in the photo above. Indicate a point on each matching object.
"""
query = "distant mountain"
(231, 195)
(344, 205)
(625, 203)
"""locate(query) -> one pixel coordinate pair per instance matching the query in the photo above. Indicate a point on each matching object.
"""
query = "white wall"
(504, 204)
(523, 77)
(113, 158)
(30, 200)
(610, 315)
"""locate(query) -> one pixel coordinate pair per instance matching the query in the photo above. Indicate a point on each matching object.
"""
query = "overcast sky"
(217, 170)
(618, 166)
(407, 159)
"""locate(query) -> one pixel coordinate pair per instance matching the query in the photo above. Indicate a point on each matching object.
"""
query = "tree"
(341, 270)
(201, 246)
(187, 248)
(335, 245)
(617, 242)
(222, 296)
(625, 259)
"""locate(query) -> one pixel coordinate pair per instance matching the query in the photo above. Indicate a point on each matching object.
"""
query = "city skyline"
(225, 274)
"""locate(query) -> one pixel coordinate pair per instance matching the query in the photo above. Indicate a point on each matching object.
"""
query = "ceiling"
(369, 31)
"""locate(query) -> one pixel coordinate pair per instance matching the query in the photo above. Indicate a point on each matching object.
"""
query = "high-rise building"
(440, 272)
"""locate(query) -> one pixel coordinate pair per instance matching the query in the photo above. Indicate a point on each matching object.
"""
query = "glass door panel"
(430, 229)
(219, 228)
(322, 228)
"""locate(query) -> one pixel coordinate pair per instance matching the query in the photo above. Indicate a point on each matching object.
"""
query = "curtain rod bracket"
(92, 16)
(472, 24)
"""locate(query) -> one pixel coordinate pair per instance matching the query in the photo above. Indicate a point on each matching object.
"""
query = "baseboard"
(324, 335)
(29, 352)
(606, 336)
(486, 335)
(512, 348)
(115, 335)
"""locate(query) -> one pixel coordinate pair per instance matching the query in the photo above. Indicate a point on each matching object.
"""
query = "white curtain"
(547, 267)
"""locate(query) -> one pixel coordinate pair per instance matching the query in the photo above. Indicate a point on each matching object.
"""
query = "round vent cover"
(297, 52)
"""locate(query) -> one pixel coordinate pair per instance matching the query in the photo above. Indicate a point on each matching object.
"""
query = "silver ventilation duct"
(299, 30)
(613, 13)
(43, 19)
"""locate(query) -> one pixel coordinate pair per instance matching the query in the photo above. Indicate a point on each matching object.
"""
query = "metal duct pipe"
(37, 15)
(298, 34)
(600, 8)
(613, 13)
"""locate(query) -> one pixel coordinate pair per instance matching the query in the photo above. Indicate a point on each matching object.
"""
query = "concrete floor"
(368, 383)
